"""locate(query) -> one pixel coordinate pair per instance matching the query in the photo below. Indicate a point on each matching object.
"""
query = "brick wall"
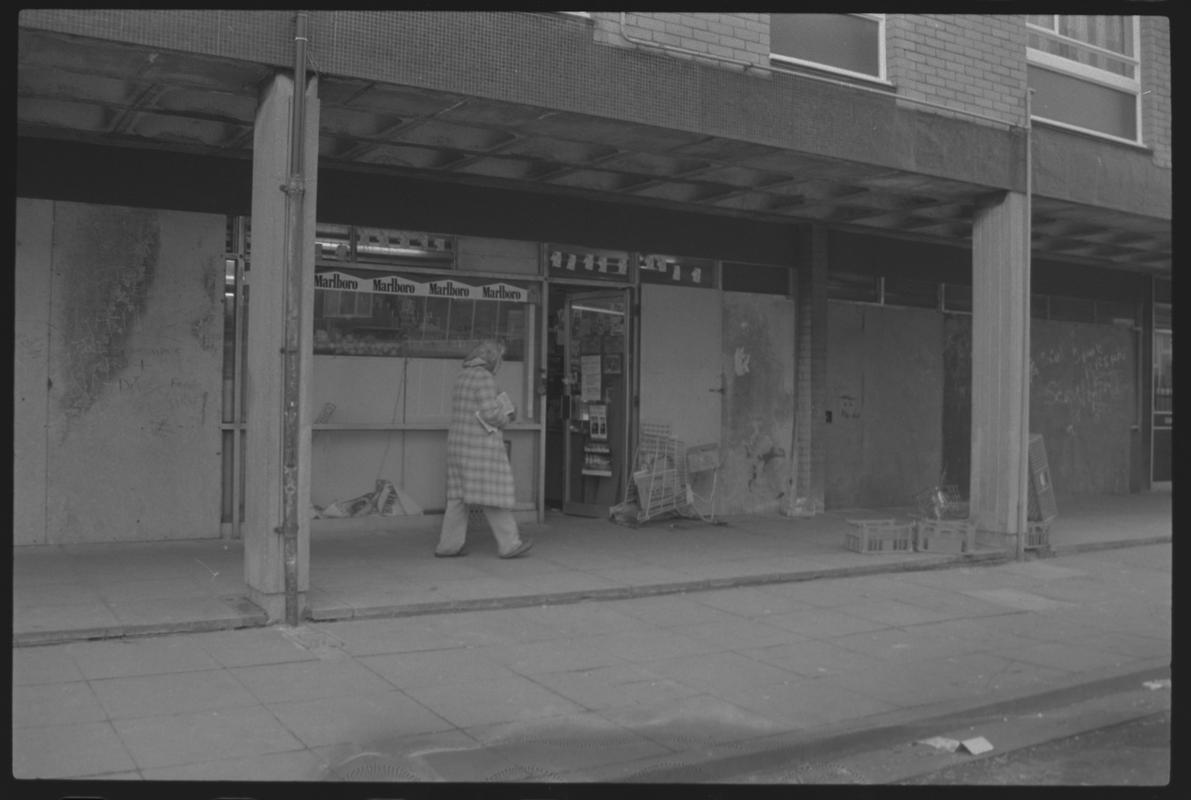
(739, 37)
(975, 63)
(1155, 85)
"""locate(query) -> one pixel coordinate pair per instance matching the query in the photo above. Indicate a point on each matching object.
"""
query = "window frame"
(882, 65)
(1090, 74)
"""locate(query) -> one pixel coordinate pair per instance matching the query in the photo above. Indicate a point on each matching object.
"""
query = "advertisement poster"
(590, 375)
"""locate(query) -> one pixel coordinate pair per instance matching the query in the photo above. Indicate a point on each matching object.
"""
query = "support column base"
(803, 507)
(996, 540)
(273, 604)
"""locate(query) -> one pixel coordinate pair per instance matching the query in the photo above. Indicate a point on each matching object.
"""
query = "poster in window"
(589, 388)
(612, 364)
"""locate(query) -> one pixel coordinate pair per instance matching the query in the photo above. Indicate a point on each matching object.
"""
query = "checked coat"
(478, 471)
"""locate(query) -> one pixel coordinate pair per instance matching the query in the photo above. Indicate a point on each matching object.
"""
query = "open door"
(590, 401)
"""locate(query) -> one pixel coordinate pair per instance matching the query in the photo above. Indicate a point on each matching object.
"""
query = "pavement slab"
(297, 765)
(122, 658)
(55, 704)
(1068, 657)
(816, 701)
(646, 645)
(467, 705)
(710, 672)
(732, 635)
(404, 634)
(251, 647)
(556, 655)
(903, 645)
(614, 686)
(750, 602)
(171, 693)
(308, 680)
(671, 610)
(824, 623)
(808, 658)
(356, 718)
(49, 664)
(173, 739)
(435, 668)
(68, 751)
(693, 722)
(563, 744)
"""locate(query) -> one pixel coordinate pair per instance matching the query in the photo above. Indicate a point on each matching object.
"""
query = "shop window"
(1040, 306)
(1163, 359)
(1072, 309)
(957, 298)
(850, 44)
(1116, 312)
(857, 288)
(899, 291)
(741, 277)
(363, 312)
(1084, 72)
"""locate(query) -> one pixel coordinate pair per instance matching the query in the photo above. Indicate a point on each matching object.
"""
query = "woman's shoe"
(519, 550)
(462, 551)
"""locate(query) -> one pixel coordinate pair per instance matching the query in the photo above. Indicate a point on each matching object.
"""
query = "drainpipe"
(1023, 504)
(295, 192)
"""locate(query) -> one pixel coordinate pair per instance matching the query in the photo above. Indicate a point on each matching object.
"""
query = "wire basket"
(658, 480)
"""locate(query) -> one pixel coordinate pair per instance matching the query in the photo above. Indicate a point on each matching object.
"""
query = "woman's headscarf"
(487, 354)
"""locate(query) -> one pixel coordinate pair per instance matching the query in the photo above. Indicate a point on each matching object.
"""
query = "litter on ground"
(941, 743)
(977, 745)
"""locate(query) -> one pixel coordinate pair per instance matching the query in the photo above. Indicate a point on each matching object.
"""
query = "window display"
(377, 313)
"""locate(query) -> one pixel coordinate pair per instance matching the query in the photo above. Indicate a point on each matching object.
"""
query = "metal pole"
(295, 191)
(1024, 488)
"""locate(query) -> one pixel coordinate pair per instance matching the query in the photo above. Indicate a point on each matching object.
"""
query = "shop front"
(598, 342)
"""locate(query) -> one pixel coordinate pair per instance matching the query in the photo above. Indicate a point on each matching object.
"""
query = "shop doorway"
(589, 382)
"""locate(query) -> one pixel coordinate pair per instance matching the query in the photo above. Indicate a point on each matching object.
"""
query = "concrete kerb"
(857, 741)
(38, 638)
(652, 590)
(1054, 551)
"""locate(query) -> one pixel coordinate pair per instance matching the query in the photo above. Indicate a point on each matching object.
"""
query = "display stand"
(700, 460)
(658, 483)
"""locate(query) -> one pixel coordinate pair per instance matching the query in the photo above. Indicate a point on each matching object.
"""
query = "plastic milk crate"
(880, 536)
(1037, 535)
(946, 536)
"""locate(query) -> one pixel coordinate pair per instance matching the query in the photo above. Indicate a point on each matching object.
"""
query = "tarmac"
(610, 654)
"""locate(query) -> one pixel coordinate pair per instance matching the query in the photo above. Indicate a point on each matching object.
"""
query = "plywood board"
(31, 341)
(884, 394)
(758, 402)
(134, 410)
(681, 375)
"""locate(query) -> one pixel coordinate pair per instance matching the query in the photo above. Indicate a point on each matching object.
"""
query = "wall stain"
(758, 407)
(108, 270)
(207, 329)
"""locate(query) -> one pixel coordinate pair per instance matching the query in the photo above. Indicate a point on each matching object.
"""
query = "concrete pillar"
(810, 374)
(1000, 336)
(264, 566)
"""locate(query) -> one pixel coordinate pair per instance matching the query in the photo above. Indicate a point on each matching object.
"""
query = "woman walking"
(478, 471)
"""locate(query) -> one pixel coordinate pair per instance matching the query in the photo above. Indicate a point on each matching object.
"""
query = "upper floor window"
(1084, 72)
(851, 44)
